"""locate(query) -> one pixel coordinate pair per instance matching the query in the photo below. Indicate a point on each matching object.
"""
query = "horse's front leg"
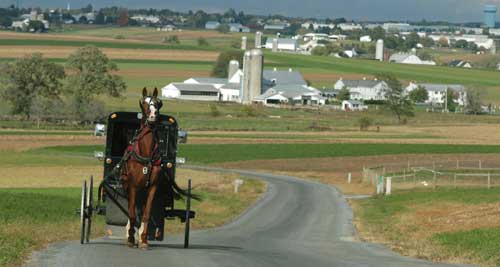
(143, 231)
(131, 215)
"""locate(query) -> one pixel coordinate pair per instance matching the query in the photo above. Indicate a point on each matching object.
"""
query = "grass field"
(459, 225)
(208, 154)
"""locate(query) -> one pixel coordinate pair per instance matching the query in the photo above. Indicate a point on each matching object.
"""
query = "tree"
(443, 42)
(451, 96)
(222, 63)
(223, 28)
(461, 44)
(36, 25)
(412, 40)
(397, 101)
(122, 17)
(28, 78)
(91, 76)
(473, 102)
(419, 95)
(100, 18)
(202, 42)
(365, 123)
(377, 33)
(344, 94)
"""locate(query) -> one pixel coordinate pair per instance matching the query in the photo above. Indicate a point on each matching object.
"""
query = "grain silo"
(244, 43)
(379, 53)
(252, 75)
(258, 39)
(275, 45)
(234, 65)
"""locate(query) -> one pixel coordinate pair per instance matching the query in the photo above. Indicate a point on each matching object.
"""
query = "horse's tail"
(180, 193)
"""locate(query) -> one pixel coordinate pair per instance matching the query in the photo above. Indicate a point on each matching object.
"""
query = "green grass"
(207, 154)
(100, 44)
(294, 137)
(483, 243)
(382, 213)
(45, 133)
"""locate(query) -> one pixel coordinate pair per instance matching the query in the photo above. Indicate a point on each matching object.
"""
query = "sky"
(365, 10)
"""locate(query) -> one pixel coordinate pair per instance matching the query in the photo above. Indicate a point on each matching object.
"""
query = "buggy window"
(122, 134)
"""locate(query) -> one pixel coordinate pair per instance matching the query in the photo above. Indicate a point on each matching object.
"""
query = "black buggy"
(112, 200)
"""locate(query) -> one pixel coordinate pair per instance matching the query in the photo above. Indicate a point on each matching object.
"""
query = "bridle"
(151, 101)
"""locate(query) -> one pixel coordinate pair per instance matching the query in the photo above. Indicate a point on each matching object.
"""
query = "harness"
(133, 152)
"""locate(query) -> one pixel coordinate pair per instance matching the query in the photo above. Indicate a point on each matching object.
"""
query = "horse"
(142, 170)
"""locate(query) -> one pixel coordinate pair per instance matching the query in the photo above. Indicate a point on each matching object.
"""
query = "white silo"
(234, 65)
(379, 53)
(258, 39)
(275, 45)
(252, 75)
(244, 43)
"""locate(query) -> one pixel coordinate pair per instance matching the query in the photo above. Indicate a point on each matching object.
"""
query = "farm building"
(212, 25)
(315, 36)
(363, 89)
(353, 105)
(291, 94)
(283, 44)
(365, 39)
(275, 27)
(237, 27)
(437, 92)
(460, 64)
(187, 91)
(405, 58)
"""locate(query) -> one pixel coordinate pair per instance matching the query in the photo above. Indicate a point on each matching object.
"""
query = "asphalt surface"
(296, 223)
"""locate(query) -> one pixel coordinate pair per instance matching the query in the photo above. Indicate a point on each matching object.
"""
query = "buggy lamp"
(109, 160)
(99, 155)
(180, 160)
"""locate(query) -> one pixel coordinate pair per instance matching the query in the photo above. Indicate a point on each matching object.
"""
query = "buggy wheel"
(188, 211)
(89, 207)
(82, 211)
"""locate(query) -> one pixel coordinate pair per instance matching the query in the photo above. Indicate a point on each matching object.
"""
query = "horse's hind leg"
(131, 216)
(143, 231)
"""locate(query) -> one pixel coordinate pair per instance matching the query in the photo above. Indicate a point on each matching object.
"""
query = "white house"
(437, 92)
(363, 89)
(185, 91)
(353, 105)
(365, 39)
(291, 93)
(283, 44)
(405, 58)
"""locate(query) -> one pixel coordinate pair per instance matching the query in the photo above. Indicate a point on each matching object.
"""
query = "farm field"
(453, 225)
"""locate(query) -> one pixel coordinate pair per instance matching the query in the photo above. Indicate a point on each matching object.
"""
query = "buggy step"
(181, 214)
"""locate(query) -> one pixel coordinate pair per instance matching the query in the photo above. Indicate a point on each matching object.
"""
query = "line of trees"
(37, 88)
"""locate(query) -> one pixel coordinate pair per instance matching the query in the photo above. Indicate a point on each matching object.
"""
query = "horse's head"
(150, 105)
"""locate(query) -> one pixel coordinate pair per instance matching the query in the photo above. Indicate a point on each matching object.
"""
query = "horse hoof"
(144, 246)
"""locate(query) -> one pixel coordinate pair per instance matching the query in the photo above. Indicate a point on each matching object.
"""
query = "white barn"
(363, 89)
(283, 44)
(404, 58)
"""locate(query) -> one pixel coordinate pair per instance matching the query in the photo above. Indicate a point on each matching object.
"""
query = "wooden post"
(349, 178)
(388, 186)
(458, 166)
(435, 179)
(489, 180)
(404, 175)
(480, 165)
(455, 180)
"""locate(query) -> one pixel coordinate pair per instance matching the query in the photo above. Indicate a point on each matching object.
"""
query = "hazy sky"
(450, 10)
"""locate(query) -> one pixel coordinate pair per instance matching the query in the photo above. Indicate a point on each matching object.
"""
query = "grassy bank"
(457, 225)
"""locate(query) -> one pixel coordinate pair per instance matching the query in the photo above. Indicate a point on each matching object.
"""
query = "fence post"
(489, 180)
(388, 186)
(458, 166)
(480, 165)
(404, 175)
(455, 180)
(349, 178)
(435, 179)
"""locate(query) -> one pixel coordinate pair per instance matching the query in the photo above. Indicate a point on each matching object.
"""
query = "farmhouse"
(212, 25)
(353, 105)
(437, 92)
(291, 94)
(363, 89)
(283, 44)
(405, 58)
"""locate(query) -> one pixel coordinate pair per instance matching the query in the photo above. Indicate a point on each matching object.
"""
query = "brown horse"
(142, 171)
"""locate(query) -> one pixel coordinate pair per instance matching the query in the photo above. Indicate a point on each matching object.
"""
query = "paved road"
(297, 223)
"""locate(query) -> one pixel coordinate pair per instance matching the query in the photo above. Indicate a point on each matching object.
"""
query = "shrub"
(365, 123)
(172, 39)
(202, 42)
(214, 111)
(119, 37)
